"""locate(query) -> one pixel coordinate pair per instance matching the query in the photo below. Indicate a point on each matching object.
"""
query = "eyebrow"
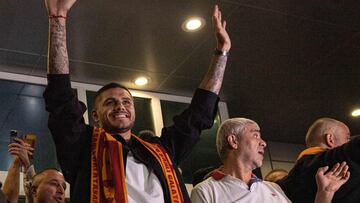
(113, 98)
(63, 184)
(128, 98)
(110, 98)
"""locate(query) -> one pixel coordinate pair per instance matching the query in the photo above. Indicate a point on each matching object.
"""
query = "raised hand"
(22, 151)
(222, 37)
(213, 79)
(332, 180)
(58, 61)
(58, 7)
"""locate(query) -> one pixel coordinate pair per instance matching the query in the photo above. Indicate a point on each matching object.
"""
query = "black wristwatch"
(218, 52)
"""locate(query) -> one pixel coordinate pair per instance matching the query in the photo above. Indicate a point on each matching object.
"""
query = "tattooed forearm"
(214, 77)
(58, 62)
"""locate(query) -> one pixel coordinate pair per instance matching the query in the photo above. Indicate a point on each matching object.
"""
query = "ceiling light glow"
(193, 24)
(356, 113)
(141, 81)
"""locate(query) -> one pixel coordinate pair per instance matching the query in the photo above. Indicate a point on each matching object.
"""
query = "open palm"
(333, 179)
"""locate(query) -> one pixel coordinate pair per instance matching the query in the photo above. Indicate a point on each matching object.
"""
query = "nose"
(262, 143)
(60, 189)
(119, 106)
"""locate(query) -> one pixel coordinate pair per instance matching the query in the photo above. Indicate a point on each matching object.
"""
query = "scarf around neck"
(108, 173)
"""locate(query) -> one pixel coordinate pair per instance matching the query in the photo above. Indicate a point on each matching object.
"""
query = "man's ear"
(233, 141)
(330, 140)
(95, 116)
(33, 191)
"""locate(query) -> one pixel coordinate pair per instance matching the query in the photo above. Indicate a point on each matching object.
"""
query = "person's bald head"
(48, 187)
(327, 133)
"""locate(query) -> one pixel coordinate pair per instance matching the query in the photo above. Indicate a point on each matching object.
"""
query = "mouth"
(59, 199)
(261, 153)
(120, 115)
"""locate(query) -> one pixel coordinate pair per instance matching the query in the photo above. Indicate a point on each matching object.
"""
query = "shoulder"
(207, 186)
(203, 191)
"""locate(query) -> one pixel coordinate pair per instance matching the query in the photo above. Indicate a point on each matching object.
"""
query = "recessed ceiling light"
(356, 113)
(193, 24)
(141, 81)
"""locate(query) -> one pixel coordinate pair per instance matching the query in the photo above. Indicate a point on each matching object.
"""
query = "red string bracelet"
(57, 16)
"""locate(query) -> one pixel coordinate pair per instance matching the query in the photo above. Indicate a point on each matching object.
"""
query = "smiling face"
(251, 147)
(49, 187)
(114, 111)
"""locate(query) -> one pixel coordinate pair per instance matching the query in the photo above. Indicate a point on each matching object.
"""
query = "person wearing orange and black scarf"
(328, 142)
(107, 163)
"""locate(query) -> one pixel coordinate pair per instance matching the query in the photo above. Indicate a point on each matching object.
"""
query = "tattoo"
(214, 77)
(58, 62)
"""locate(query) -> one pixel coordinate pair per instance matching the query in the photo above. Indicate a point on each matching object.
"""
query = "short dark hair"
(109, 86)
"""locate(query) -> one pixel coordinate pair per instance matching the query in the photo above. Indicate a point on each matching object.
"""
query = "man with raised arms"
(107, 163)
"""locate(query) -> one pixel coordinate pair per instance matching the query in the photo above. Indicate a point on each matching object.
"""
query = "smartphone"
(15, 134)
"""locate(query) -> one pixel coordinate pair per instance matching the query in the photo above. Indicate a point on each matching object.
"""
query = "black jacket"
(72, 136)
(300, 184)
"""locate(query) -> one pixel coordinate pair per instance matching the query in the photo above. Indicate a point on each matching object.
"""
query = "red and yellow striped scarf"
(108, 173)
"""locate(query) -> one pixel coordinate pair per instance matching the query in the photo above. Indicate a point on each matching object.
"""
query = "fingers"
(14, 148)
(29, 148)
(14, 144)
(322, 170)
(346, 176)
(217, 17)
(217, 20)
(339, 170)
(14, 153)
(21, 141)
(216, 10)
(222, 37)
(336, 169)
(17, 148)
(343, 169)
(20, 144)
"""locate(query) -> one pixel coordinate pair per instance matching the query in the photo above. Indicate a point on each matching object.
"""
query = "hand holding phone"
(15, 134)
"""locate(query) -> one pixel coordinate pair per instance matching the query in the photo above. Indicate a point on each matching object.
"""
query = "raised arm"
(329, 182)
(58, 61)
(21, 152)
(12, 181)
(214, 77)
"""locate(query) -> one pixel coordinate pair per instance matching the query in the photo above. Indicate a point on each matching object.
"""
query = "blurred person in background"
(276, 174)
